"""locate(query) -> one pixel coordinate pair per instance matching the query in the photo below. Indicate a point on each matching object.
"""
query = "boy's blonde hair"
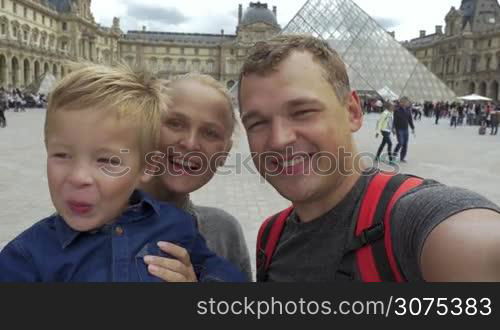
(133, 96)
(208, 81)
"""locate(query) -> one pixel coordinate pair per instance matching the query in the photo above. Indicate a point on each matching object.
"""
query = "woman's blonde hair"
(133, 96)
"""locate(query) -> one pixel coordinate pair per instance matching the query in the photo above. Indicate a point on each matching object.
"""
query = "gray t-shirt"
(223, 235)
(313, 251)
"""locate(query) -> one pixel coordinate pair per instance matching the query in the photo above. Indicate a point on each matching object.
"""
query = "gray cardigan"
(223, 234)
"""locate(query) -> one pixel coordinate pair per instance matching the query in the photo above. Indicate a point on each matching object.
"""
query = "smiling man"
(346, 221)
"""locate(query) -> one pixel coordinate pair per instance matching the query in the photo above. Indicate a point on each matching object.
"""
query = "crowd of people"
(18, 101)
(397, 116)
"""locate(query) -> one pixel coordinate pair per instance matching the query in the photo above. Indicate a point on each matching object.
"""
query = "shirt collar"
(140, 206)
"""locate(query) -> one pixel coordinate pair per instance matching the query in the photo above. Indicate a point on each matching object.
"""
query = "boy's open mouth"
(79, 207)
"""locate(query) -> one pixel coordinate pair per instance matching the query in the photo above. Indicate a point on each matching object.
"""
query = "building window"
(473, 66)
(26, 35)
(488, 63)
(3, 4)
(196, 51)
(51, 22)
(14, 32)
(14, 7)
(25, 12)
(489, 43)
(43, 19)
(34, 15)
(64, 26)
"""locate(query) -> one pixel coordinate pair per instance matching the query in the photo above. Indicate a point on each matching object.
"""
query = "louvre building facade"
(41, 36)
(466, 53)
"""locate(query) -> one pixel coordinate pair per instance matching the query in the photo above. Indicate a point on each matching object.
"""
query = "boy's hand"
(171, 270)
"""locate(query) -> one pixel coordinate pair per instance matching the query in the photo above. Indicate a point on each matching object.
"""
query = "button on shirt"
(51, 251)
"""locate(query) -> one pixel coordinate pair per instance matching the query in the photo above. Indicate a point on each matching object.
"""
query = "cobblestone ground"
(458, 157)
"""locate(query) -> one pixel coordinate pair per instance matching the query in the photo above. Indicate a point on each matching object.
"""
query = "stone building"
(466, 54)
(40, 36)
(220, 55)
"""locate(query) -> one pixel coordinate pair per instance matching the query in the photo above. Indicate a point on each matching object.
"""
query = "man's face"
(86, 152)
(298, 130)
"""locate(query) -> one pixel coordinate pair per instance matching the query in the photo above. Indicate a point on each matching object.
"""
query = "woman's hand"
(171, 270)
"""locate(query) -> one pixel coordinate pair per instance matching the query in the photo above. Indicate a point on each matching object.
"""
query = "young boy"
(101, 123)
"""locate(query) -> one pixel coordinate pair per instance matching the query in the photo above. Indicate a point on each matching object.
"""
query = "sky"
(405, 17)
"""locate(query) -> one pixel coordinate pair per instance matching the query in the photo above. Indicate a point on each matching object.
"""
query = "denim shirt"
(50, 251)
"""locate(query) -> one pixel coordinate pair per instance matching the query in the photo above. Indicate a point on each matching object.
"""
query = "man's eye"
(302, 113)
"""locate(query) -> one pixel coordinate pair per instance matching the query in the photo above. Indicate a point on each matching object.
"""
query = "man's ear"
(355, 112)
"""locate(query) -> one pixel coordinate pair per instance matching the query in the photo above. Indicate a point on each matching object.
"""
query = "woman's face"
(195, 136)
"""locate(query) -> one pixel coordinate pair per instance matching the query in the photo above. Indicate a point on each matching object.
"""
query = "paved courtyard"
(458, 157)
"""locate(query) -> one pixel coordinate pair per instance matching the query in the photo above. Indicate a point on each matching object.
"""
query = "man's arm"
(410, 120)
(464, 247)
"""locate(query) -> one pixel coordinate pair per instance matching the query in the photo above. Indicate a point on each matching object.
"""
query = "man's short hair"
(267, 55)
(133, 96)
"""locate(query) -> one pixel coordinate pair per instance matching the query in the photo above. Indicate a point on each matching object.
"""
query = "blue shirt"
(50, 251)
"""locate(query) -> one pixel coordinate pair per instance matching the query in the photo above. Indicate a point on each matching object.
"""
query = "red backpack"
(370, 250)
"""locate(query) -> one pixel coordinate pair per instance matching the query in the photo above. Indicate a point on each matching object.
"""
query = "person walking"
(494, 120)
(437, 112)
(453, 116)
(3, 107)
(384, 127)
(403, 120)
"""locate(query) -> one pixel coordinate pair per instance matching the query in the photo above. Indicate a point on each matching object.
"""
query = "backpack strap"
(374, 255)
(267, 240)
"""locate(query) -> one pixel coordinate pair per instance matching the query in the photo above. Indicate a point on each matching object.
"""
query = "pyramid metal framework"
(375, 60)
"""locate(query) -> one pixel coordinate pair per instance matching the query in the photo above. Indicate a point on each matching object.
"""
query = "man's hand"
(171, 270)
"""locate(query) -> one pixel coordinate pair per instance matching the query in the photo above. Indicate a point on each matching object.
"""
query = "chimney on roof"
(240, 13)
(275, 12)
(144, 28)
(392, 33)
(439, 29)
(422, 33)
(222, 32)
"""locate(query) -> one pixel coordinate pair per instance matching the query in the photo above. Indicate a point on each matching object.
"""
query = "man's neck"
(311, 210)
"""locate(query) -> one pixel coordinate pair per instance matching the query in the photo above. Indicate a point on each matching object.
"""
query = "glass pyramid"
(375, 61)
